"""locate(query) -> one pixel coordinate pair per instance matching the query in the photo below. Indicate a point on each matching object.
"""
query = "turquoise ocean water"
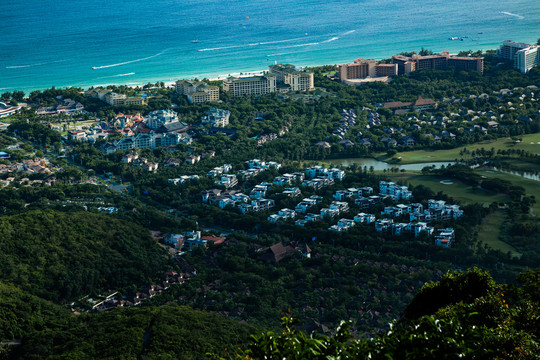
(58, 42)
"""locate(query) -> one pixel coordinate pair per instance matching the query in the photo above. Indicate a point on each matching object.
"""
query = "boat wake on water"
(32, 65)
(279, 42)
(511, 14)
(222, 48)
(330, 40)
(251, 44)
(19, 66)
(119, 75)
(131, 73)
(131, 61)
(311, 43)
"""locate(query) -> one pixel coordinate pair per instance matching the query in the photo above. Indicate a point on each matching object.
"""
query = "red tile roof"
(215, 239)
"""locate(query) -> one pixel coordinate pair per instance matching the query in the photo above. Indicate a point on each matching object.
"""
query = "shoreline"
(171, 81)
(218, 78)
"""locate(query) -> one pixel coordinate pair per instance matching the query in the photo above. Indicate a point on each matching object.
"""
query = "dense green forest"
(22, 314)
(49, 331)
(162, 332)
(61, 256)
(464, 315)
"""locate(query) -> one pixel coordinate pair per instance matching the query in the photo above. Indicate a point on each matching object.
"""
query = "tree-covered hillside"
(61, 256)
(462, 316)
(164, 332)
(22, 313)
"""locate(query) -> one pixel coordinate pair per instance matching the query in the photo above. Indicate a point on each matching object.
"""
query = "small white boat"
(195, 41)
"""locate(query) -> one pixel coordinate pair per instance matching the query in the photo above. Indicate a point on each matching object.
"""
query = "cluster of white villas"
(256, 200)
(318, 177)
(108, 210)
(437, 210)
(182, 179)
(363, 198)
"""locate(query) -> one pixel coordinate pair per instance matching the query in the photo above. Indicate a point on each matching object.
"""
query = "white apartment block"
(524, 56)
(149, 140)
(114, 99)
(216, 117)
(526, 59)
(158, 118)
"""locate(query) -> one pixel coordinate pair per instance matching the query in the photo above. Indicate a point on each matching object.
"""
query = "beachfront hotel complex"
(282, 78)
(253, 85)
(364, 69)
(442, 61)
(524, 56)
(196, 91)
(295, 78)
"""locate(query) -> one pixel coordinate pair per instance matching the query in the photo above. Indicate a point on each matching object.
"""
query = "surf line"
(129, 62)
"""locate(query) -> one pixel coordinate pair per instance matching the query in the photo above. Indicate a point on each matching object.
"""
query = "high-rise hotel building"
(280, 77)
(524, 56)
(442, 61)
(254, 85)
(362, 69)
(298, 79)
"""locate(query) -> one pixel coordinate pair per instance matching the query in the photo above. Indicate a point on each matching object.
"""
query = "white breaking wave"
(348, 32)
(510, 14)
(129, 62)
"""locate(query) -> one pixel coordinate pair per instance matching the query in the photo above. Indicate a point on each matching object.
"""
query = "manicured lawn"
(458, 190)
(530, 143)
(75, 125)
(488, 233)
(489, 230)
(465, 193)
(532, 187)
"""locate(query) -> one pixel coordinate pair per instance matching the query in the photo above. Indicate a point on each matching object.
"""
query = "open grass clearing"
(532, 187)
(529, 142)
(75, 125)
(458, 190)
(489, 231)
